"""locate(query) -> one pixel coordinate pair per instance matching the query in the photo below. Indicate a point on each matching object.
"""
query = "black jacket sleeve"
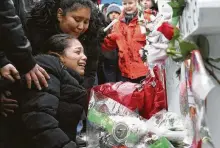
(12, 38)
(3, 60)
(92, 53)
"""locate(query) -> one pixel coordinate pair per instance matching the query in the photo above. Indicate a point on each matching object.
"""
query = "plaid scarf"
(129, 17)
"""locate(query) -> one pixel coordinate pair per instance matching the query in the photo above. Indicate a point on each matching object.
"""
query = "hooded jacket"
(128, 38)
(50, 116)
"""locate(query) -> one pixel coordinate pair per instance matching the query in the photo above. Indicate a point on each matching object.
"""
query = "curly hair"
(44, 13)
(96, 25)
(44, 17)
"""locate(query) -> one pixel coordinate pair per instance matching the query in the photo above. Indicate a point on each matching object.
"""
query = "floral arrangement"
(164, 39)
(163, 36)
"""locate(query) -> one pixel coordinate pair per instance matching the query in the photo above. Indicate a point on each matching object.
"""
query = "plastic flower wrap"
(194, 87)
(112, 125)
(175, 130)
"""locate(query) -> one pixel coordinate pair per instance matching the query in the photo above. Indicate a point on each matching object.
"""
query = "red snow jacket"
(129, 40)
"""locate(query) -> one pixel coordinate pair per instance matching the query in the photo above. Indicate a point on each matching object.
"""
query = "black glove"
(101, 35)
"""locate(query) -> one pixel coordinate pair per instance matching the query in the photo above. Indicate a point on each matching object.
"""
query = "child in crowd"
(104, 9)
(113, 12)
(111, 69)
(150, 8)
(126, 35)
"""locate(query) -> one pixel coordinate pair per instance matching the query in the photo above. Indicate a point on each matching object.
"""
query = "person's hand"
(101, 35)
(38, 75)
(114, 36)
(10, 72)
(7, 106)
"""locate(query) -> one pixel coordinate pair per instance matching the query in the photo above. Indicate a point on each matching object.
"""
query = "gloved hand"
(102, 35)
(114, 36)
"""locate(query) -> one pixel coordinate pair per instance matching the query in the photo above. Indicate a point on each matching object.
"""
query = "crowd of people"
(52, 53)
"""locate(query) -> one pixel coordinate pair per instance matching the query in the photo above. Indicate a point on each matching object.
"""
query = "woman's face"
(74, 57)
(147, 4)
(74, 22)
(130, 6)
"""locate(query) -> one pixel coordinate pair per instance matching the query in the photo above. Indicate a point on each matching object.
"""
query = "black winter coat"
(12, 39)
(40, 31)
(50, 116)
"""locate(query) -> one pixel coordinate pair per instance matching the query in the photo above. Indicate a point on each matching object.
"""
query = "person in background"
(23, 9)
(111, 69)
(127, 36)
(16, 60)
(150, 8)
(147, 4)
(113, 12)
(104, 9)
(100, 79)
(15, 54)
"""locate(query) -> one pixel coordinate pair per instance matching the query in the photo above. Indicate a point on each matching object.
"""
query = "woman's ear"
(59, 14)
(57, 55)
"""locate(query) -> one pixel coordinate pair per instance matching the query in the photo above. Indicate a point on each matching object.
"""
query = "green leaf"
(177, 59)
(186, 48)
(176, 34)
(172, 51)
(174, 4)
(161, 143)
(175, 20)
(175, 55)
(148, 32)
(178, 11)
(178, 7)
(178, 2)
(181, 2)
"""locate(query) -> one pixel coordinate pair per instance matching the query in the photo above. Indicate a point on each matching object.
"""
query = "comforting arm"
(15, 44)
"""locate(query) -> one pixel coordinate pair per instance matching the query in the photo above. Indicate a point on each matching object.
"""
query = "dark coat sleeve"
(12, 38)
(39, 112)
(92, 53)
(3, 60)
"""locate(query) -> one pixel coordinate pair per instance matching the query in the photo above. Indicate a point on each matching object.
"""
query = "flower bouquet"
(112, 125)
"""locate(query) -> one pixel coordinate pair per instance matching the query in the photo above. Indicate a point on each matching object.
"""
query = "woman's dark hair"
(57, 43)
(155, 6)
(43, 24)
(44, 17)
(44, 14)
